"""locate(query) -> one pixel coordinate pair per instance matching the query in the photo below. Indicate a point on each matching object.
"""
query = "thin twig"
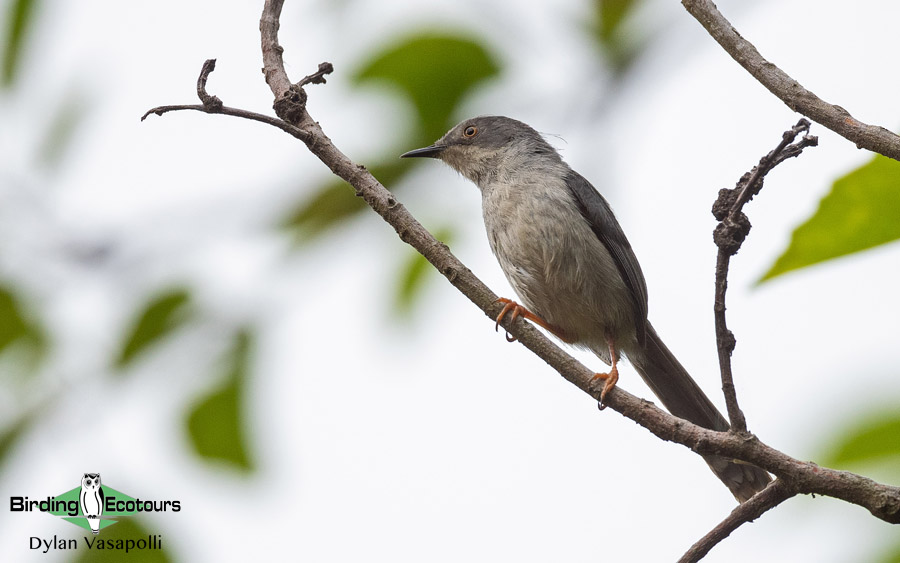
(234, 112)
(317, 77)
(788, 90)
(774, 494)
(212, 104)
(728, 236)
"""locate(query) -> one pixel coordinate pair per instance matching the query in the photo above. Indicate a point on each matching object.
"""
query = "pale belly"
(560, 270)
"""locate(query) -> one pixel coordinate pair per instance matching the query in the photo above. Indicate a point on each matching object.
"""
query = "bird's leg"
(610, 378)
(520, 311)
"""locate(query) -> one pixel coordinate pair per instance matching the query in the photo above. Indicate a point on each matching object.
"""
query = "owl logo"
(92, 500)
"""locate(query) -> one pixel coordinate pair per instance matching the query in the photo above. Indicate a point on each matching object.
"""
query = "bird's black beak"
(434, 151)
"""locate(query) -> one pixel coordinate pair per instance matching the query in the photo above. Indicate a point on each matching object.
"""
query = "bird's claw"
(609, 382)
(509, 305)
(520, 311)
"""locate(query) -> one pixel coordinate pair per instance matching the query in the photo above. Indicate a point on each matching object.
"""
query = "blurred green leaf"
(125, 529)
(619, 46)
(330, 205)
(335, 202)
(216, 422)
(874, 440)
(435, 71)
(61, 130)
(15, 328)
(892, 555)
(19, 21)
(610, 15)
(12, 322)
(861, 211)
(161, 316)
(11, 435)
(413, 275)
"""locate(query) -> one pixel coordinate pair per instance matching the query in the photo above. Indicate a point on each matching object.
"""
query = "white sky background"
(434, 440)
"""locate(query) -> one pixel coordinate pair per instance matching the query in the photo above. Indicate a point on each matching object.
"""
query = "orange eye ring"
(470, 131)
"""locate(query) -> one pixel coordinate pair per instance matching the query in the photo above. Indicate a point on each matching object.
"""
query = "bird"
(92, 500)
(569, 262)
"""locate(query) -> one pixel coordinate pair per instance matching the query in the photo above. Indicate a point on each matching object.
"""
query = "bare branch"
(788, 90)
(883, 501)
(234, 112)
(728, 236)
(290, 99)
(799, 477)
(273, 63)
(212, 104)
(770, 497)
(317, 77)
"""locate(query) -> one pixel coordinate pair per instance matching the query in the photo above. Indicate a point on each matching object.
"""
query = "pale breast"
(555, 263)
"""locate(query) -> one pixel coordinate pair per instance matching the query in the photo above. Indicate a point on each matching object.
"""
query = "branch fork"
(729, 235)
(793, 476)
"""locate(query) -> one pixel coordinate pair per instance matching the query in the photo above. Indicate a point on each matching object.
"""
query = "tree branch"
(234, 112)
(729, 235)
(883, 501)
(770, 497)
(211, 102)
(273, 63)
(788, 90)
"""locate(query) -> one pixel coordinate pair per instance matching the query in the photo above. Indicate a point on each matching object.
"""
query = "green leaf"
(160, 317)
(413, 276)
(19, 21)
(892, 555)
(335, 203)
(11, 434)
(16, 328)
(215, 423)
(329, 206)
(619, 46)
(861, 211)
(435, 71)
(126, 529)
(61, 130)
(12, 323)
(874, 440)
(610, 15)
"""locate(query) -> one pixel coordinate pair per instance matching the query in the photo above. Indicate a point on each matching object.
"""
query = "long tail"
(681, 395)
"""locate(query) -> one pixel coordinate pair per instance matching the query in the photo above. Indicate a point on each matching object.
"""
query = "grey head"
(482, 147)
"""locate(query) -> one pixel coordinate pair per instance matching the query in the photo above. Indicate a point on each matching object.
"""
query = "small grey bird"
(565, 255)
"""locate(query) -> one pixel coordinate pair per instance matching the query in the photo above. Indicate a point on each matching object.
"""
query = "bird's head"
(484, 147)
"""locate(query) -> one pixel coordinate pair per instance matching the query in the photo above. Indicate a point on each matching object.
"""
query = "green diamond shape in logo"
(107, 518)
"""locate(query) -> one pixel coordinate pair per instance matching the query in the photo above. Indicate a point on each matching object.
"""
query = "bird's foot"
(520, 311)
(609, 381)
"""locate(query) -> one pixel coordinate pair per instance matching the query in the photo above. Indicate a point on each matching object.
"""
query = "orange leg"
(520, 311)
(610, 378)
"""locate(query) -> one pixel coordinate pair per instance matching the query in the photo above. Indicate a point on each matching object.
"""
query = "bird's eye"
(470, 131)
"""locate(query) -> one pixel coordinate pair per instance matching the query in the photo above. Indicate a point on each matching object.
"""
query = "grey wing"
(603, 222)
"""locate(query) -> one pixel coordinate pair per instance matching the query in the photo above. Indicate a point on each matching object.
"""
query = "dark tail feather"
(681, 395)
